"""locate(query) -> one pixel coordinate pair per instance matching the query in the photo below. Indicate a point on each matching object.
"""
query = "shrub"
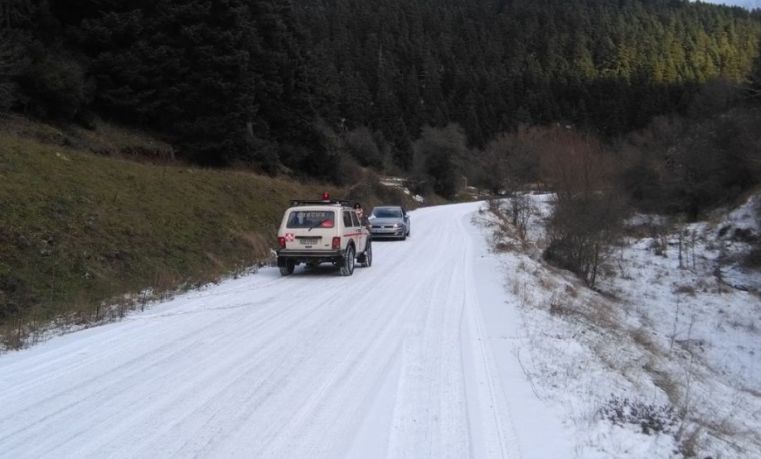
(512, 160)
(588, 214)
(753, 259)
(436, 154)
(363, 147)
(582, 231)
(56, 87)
(651, 418)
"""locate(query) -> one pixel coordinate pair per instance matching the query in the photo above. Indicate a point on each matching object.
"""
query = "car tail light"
(336, 243)
(281, 241)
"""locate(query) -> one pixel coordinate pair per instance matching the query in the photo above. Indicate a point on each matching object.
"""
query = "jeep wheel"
(287, 267)
(347, 264)
(368, 255)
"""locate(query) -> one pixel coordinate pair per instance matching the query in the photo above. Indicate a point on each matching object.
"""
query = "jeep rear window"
(311, 219)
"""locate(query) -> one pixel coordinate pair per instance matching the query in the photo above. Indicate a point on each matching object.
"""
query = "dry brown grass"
(558, 307)
(504, 246)
(642, 338)
(688, 290)
(688, 441)
(663, 381)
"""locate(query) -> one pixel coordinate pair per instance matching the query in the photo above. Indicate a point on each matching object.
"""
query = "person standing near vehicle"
(361, 215)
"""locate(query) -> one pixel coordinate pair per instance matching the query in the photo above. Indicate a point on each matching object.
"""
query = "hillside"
(80, 230)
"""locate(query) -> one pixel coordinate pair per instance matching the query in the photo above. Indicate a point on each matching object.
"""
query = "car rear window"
(311, 219)
(387, 213)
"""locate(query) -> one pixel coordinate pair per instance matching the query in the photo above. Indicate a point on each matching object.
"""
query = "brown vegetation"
(588, 213)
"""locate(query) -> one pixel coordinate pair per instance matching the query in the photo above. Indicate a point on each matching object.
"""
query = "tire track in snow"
(395, 301)
(290, 371)
(501, 439)
(229, 370)
(53, 356)
(134, 379)
(428, 412)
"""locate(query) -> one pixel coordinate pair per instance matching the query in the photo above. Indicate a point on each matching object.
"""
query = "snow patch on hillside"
(400, 183)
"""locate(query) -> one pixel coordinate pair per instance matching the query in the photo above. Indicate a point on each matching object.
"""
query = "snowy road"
(409, 358)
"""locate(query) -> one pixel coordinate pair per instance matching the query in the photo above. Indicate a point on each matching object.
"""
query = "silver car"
(389, 221)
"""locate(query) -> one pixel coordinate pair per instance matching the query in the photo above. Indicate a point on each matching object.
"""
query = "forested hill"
(266, 82)
(490, 65)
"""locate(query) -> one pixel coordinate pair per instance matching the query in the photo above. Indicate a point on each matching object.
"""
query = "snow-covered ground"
(664, 360)
(420, 355)
(459, 342)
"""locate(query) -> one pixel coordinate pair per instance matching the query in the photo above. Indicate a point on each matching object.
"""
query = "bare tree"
(588, 212)
(521, 209)
(511, 160)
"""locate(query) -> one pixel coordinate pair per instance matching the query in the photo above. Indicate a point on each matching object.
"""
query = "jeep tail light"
(325, 196)
(281, 241)
(336, 243)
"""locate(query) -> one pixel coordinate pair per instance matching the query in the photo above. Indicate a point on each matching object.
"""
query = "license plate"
(309, 240)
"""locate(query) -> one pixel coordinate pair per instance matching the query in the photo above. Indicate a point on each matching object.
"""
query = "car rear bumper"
(299, 256)
(392, 232)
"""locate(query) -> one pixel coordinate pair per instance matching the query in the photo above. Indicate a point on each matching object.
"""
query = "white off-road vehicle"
(315, 232)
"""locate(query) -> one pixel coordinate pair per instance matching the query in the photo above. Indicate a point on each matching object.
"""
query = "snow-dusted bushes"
(753, 260)
(651, 418)
(514, 214)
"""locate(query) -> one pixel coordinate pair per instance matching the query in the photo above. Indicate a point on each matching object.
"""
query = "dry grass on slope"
(78, 230)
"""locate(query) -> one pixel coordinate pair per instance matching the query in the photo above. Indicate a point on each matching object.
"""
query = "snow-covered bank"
(664, 361)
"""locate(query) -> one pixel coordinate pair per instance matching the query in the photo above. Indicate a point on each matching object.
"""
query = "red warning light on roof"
(325, 196)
